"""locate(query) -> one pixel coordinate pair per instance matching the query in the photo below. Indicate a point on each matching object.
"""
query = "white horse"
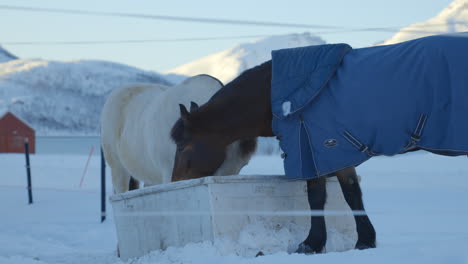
(135, 131)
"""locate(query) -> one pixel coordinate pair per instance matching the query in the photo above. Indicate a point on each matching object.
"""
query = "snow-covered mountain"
(6, 56)
(64, 98)
(228, 64)
(67, 97)
(452, 19)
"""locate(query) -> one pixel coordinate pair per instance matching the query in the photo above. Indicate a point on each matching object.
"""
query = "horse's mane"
(261, 71)
(251, 82)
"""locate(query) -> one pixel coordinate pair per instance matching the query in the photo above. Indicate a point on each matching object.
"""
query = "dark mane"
(177, 131)
(243, 100)
(260, 74)
(246, 93)
(263, 71)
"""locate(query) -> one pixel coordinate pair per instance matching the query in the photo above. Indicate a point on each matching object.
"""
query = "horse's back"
(116, 106)
(198, 89)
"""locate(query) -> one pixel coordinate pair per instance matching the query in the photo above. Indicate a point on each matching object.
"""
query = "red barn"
(13, 134)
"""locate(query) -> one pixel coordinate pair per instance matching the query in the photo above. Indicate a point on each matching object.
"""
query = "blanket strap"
(361, 147)
(416, 136)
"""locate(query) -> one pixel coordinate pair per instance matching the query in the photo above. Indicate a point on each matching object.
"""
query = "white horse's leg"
(120, 178)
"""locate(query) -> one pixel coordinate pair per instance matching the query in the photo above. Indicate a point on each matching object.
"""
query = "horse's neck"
(241, 109)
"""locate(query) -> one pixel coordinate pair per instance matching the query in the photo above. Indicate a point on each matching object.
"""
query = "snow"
(417, 203)
(286, 108)
(228, 64)
(452, 19)
(63, 98)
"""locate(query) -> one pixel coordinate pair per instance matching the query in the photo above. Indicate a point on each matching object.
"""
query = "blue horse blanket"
(335, 107)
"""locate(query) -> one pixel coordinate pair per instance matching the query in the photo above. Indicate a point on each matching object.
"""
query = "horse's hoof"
(260, 253)
(303, 248)
(362, 245)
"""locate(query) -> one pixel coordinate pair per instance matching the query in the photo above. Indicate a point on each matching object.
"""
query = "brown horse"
(242, 110)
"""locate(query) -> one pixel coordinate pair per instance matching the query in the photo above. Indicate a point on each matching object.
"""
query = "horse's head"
(198, 153)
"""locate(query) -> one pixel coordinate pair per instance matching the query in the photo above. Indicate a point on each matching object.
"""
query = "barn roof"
(4, 113)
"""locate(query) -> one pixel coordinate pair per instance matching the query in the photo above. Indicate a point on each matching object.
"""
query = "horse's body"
(242, 109)
(135, 131)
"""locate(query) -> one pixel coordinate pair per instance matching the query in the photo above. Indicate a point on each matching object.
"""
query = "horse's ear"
(184, 114)
(193, 107)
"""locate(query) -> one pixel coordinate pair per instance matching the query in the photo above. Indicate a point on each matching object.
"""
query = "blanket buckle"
(416, 135)
(356, 143)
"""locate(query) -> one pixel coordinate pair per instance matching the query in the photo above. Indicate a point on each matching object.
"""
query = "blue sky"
(19, 26)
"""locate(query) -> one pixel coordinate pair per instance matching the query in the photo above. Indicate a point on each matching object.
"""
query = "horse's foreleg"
(317, 195)
(134, 184)
(352, 193)
(120, 178)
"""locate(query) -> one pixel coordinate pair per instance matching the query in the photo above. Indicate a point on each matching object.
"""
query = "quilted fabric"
(335, 107)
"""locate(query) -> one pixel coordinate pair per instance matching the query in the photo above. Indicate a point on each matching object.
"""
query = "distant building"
(13, 133)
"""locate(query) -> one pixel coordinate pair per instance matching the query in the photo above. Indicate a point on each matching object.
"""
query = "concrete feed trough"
(222, 207)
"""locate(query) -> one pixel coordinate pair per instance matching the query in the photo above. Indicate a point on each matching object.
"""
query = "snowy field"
(418, 204)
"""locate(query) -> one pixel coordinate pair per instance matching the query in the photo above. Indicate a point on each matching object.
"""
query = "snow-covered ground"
(417, 202)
